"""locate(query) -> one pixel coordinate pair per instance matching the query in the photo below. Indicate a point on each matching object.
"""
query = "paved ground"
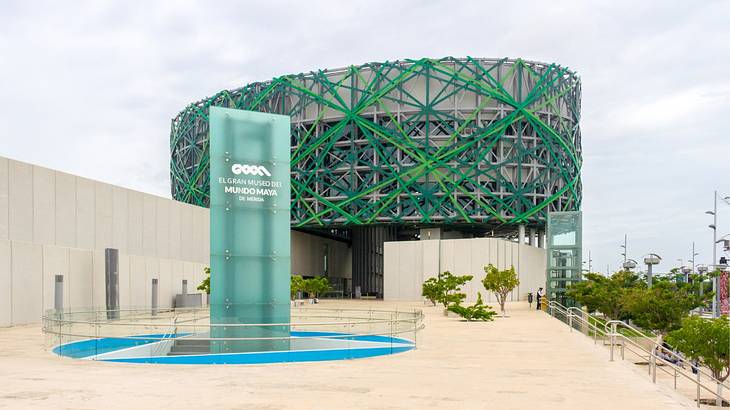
(526, 361)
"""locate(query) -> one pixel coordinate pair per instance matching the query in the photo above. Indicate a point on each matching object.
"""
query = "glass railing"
(166, 335)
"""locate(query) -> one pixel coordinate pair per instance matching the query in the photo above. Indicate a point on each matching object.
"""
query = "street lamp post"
(629, 264)
(626, 250)
(686, 272)
(715, 280)
(650, 260)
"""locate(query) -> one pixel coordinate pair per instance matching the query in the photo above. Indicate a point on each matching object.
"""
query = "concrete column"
(111, 258)
(533, 240)
(185, 287)
(541, 239)
(154, 296)
(521, 234)
(58, 294)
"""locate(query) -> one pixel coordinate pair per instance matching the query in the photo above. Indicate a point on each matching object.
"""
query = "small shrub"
(477, 311)
(445, 289)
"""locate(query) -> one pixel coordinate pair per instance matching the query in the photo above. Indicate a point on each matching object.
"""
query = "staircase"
(183, 347)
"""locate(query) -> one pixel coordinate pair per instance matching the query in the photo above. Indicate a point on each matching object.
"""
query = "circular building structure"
(381, 151)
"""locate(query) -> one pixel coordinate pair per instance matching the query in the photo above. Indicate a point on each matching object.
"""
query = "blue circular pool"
(136, 338)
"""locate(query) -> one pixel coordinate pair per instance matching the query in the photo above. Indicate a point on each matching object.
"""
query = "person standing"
(540, 294)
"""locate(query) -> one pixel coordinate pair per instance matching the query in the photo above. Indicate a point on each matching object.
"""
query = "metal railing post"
(653, 373)
(718, 390)
(595, 332)
(570, 320)
(613, 338)
(698, 386)
(415, 332)
(648, 362)
(622, 350)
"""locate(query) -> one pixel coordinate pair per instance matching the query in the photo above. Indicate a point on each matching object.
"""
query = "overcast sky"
(90, 88)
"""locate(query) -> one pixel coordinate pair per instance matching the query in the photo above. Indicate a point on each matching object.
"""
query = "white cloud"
(90, 88)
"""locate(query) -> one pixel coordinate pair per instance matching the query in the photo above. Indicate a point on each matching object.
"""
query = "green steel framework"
(487, 143)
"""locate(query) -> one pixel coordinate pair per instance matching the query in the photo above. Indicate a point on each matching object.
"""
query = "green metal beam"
(429, 141)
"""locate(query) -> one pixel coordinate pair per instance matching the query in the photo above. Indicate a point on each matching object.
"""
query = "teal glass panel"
(250, 240)
(564, 251)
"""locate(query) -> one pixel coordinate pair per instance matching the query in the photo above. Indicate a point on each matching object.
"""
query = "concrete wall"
(56, 223)
(307, 256)
(408, 264)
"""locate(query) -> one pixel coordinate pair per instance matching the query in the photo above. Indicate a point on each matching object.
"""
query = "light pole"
(694, 254)
(715, 280)
(650, 260)
(686, 272)
(625, 253)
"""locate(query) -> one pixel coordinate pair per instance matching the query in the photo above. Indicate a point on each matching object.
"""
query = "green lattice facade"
(470, 142)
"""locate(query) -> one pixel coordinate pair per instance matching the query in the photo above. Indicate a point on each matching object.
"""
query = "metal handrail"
(627, 342)
(652, 359)
(170, 335)
(207, 308)
(656, 345)
(121, 323)
(399, 322)
(161, 338)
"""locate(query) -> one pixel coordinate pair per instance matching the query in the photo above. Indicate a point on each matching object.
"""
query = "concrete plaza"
(526, 361)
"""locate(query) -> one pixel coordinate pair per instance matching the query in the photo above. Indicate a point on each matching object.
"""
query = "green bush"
(314, 286)
(606, 295)
(432, 290)
(445, 289)
(705, 340)
(477, 311)
(663, 307)
(297, 284)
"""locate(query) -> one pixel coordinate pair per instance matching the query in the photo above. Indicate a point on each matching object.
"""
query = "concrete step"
(184, 346)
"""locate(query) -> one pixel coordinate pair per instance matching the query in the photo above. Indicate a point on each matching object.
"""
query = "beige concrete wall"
(27, 273)
(46, 207)
(54, 223)
(408, 264)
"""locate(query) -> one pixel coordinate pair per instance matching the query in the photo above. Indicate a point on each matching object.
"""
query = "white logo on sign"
(239, 169)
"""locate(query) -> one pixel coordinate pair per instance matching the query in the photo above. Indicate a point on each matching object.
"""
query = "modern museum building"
(399, 170)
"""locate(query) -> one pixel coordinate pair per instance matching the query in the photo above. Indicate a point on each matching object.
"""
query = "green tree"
(606, 295)
(452, 288)
(662, 308)
(477, 311)
(500, 282)
(707, 341)
(432, 290)
(320, 285)
(205, 284)
(315, 286)
(308, 287)
(445, 288)
(297, 284)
